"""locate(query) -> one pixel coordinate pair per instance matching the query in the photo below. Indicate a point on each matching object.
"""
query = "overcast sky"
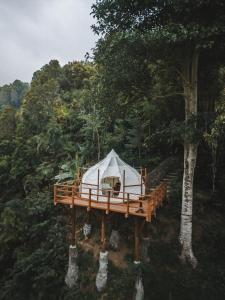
(32, 32)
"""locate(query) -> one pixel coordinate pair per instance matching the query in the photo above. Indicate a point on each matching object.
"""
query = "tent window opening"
(112, 184)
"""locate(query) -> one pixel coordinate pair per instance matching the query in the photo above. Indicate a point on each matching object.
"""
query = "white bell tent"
(114, 175)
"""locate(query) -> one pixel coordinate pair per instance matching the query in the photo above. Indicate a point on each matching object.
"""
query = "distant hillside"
(12, 94)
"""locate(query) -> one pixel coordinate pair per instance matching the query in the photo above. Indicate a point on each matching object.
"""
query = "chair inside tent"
(112, 175)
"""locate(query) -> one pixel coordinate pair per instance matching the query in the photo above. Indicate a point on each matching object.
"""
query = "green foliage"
(13, 94)
(130, 99)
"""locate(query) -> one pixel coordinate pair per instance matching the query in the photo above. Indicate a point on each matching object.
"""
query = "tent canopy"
(113, 173)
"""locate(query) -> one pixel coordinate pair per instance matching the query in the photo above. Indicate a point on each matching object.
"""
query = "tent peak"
(112, 153)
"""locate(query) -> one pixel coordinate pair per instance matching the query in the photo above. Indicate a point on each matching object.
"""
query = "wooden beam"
(73, 216)
(108, 203)
(73, 196)
(88, 217)
(89, 201)
(55, 200)
(73, 237)
(128, 204)
(149, 209)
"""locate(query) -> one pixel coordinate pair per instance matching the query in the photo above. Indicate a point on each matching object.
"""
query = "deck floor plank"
(113, 207)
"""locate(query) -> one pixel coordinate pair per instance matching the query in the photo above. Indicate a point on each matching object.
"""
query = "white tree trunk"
(87, 230)
(190, 76)
(114, 240)
(190, 155)
(139, 288)
(72, 273)
(101, 279)
(145, 244)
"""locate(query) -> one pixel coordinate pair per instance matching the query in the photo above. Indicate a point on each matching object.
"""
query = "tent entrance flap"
(112, 184)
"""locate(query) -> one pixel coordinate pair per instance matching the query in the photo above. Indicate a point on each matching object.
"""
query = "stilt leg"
(138, 288)
(87, 226)
(145, 244)
(137, 248)
(73, 237)
(103, 232)
(72, 273)
(101, 279)
(114, 239)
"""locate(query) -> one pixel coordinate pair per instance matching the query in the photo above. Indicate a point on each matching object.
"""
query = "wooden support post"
(149, 209)
(73, 217)
(128, 204)
(103, 232)
(116, 222)
(137, 246)
(108, 203)
(98, 184)
(155, 201)
(89, 201)
(141, 182)
(165, 190)
(55, 200)
(145, 229)
(145, 243)
(73, 237)
(72, 196)
(88, 217)
(140, 208)
(161, 194)
(123, 185)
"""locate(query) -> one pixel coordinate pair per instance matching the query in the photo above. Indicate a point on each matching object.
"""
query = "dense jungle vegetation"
(129, 97)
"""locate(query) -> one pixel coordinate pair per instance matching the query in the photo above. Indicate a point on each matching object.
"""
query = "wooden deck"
(144, 207)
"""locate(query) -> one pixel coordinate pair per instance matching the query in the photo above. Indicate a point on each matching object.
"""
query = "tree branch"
(171, 94)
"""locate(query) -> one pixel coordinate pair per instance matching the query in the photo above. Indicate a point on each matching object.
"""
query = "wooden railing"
(145, 204)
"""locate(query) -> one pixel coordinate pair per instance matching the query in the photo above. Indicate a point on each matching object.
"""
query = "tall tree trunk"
(214, 148)
(98, 144)
(190, 74)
